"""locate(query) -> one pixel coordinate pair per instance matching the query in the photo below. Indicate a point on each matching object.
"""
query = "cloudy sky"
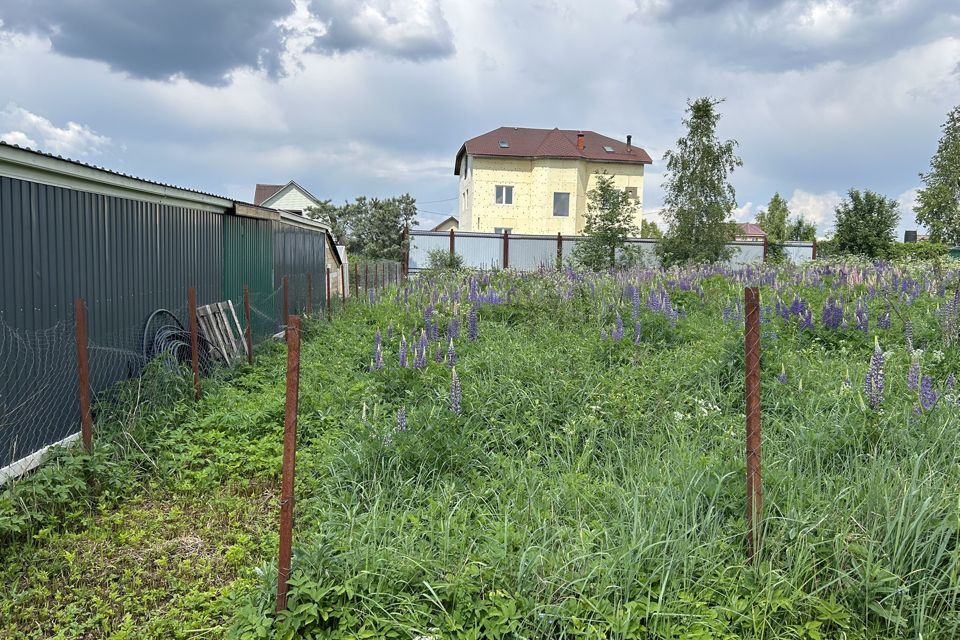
(375, 97)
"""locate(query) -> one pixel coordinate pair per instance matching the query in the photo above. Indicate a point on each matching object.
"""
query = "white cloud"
(745, 212)
(817, 208)
(19, 138)
(72, 140)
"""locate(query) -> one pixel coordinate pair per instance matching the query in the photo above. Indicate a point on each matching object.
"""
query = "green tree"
(609, 222)
(865, 224)
(335, 217)
(939, 200)
(799, 230)
(369, 227)
(649, 229)
(699, 198)
(773, 221)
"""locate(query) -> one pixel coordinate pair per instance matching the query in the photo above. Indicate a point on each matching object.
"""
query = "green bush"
(443, 260)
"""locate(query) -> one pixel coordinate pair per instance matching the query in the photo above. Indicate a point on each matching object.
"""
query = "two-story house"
(536, 180)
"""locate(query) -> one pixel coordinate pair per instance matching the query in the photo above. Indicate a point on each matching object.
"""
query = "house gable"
(292, 197)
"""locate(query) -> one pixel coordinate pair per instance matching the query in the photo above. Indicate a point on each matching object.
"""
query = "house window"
(504, 194)
(502, 230)
(631, 192)
(561, 203)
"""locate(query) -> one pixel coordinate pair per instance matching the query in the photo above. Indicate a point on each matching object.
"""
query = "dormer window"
(608, 148)
(504, 144)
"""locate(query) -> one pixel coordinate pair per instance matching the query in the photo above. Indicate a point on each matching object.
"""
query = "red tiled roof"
(264, 191)
(550, 143)
(749, 229)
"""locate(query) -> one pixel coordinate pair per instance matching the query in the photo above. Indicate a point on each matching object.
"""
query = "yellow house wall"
(534, 183)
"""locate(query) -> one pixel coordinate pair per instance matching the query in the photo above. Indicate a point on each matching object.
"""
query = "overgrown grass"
(590, 487)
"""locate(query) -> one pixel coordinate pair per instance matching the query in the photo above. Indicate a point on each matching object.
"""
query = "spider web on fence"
(38, 373)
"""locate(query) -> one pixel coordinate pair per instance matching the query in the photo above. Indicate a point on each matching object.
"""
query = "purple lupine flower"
(451, 355)
(883, 322)
(371, 296)
(378, 358)
(390, 332)
(617, 328)
(832, 316)
(438, 353)
(473, 289)
(908, 334)
(377, 340)
(873, 382)
(913, 374)
(863, 317)
(806, 320)
(402, 419)
(427, 316)
(782, 376)
(420, 355)
(635, 302)
(403, 352)
(950, 382)
(637, 332)
(928, 395)
(472, 323)
(453, 328)
(455, 393)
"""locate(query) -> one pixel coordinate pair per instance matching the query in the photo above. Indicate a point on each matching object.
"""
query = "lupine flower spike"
(451, 355)
(455, 393)
(873, 382)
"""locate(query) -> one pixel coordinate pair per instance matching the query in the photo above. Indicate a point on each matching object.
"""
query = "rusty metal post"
(329, 313)
(194, 341)
(246, 316)
(751, 342)
(289, 459)
(766, 246)
(405, 248)
(343, 286)
(83, 369)
(286, 298)
(452, 252)
(356, 282)
(309, 293)
(506, 250)
(559, 251)
(814, 256)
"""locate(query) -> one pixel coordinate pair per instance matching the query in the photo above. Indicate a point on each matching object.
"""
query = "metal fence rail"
(532, 252)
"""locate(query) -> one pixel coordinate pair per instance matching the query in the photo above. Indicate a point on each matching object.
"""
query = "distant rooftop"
(264, 191)
(521, 142)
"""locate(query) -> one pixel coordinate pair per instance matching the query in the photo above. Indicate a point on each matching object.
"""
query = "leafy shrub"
(443, 260)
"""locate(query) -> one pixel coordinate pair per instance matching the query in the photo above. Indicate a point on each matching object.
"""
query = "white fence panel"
(745, 253)
(480, 250)
(530, 252)
(798, 252)
(421, 244)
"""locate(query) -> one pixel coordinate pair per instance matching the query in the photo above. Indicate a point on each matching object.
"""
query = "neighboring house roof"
(452, 219)
(283, 190)
(750, 229)
(521, 142)
(264, 191)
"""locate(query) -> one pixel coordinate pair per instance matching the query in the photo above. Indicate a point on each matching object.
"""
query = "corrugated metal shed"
(128, 247)
(248, 260)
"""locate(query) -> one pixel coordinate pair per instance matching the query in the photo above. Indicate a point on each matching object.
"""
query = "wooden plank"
(231, 340)
(236, 321)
